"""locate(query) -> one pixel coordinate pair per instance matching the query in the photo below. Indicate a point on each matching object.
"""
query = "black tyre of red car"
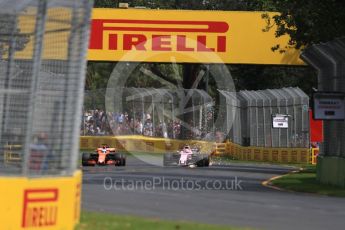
(123, 161)
(85, 159)
(120, 159)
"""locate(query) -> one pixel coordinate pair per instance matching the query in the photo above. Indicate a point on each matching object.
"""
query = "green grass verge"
(305, 181)
(102, 221)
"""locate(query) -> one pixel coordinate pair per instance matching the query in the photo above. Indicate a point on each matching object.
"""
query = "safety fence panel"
(160, 112)
(329, 60)
(232, 111)
(43, 46)
(254, 111)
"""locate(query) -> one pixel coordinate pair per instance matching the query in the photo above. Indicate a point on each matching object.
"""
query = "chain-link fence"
(246, 117)
(42, 58)
(329, 59)
(150, 112)
(250, 115)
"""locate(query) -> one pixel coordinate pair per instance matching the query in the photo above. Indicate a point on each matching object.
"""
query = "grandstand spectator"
(98, 123)
(138, 127)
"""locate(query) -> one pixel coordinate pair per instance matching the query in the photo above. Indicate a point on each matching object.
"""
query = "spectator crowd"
(99, 123)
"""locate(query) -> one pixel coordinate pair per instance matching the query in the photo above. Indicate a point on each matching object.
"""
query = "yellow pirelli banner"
(47, 203)
(186, 37)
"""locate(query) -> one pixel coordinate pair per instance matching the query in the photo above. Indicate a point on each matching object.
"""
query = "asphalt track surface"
(228, 194)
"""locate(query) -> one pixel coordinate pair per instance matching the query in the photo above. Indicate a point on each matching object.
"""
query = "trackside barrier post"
(314, 155)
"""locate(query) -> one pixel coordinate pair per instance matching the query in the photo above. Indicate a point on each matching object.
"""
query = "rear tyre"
(203, 160)
(85, 158)
(123, 161)
(171, 159)
(206, 162)
(120, 159)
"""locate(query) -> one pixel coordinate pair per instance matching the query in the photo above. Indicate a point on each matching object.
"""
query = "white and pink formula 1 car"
(187, 156)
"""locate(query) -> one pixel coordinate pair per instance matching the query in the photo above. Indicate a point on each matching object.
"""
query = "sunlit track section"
(180, 193)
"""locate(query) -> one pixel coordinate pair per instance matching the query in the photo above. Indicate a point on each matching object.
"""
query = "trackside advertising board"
(185, 36)
(40, 203)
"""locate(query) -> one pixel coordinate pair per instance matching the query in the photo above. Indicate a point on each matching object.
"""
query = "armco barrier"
(160, 145)
(277, 155)
(142, 144)
(49, 203)
(219, 149)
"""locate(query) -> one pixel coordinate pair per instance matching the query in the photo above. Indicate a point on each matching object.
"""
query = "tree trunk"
(190, 73)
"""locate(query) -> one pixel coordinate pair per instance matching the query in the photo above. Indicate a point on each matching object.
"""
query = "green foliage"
(307, 21)
(256, 77)
(189, 5)
(97, 74)
(106, 3)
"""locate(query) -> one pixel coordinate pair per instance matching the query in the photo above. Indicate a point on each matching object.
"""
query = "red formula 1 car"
(104, 156)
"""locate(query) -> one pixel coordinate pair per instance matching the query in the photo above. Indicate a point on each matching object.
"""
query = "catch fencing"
(329, 59)
(43, 46)
(250, 115)
(247, 115)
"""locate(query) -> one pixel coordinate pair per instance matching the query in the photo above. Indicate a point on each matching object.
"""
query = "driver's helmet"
(186, 147)
(104, 149)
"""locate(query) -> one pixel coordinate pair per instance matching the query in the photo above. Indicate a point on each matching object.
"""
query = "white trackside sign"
(280, 121)
(329, 106)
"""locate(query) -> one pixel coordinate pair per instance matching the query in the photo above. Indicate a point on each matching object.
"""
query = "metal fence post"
(37, 58)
